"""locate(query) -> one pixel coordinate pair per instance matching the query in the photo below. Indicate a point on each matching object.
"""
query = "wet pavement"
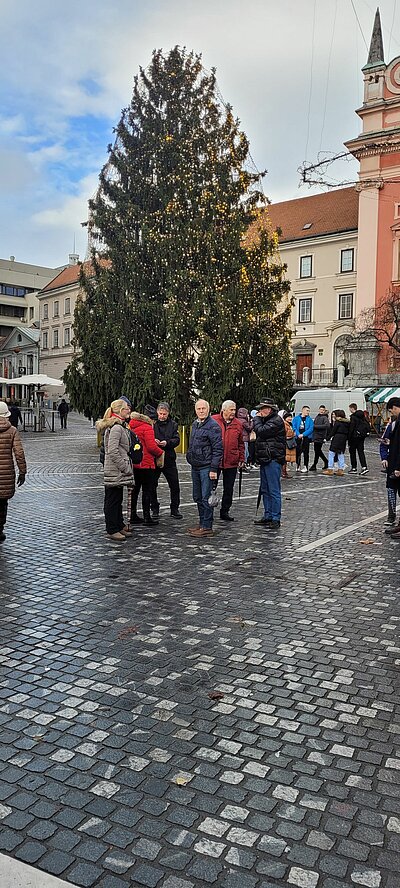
(178, 712)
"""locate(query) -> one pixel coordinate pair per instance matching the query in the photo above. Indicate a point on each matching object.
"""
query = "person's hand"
(21, 479)
(384, 463)
(241, 465)
(157, 441)
(300, 436)
(214, 476)
(162, 443)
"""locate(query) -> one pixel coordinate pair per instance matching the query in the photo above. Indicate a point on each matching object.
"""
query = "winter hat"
(393, 402)
(164, 405)
(150, 411)
(267, 402)
(4, 411)
(127, 401)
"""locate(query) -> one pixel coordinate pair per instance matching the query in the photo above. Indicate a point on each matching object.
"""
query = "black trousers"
(145, 480)
(3, 512)
(113, 497)
(252, 452)
(63, 421)
(303, 447)
(357, 446)
(228, 483)
(318, 453)
(171, 476)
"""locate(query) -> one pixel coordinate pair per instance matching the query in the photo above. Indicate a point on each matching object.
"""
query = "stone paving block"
(84, 874)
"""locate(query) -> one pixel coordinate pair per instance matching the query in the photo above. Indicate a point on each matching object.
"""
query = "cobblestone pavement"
(180, 713)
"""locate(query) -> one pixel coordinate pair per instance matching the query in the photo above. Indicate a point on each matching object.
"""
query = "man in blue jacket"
(204, 455)
(303, 427)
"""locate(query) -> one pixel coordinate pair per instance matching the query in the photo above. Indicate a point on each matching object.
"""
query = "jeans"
(228, 483)
(357, 446)
(171, 476)
(202, 486)
(113, 497)
(331, 459)
(318, 454)
(302, 447)
(270, 484)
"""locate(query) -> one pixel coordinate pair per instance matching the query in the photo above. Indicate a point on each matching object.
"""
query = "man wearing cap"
(10, 449)
(167, 437)
(393, 460)
(271, 455)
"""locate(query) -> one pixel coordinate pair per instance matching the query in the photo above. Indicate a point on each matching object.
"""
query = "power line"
(311, 78)
(327, 75)
(392, 25)
(359, 24)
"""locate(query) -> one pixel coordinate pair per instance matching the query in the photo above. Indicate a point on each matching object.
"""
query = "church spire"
(376, 57)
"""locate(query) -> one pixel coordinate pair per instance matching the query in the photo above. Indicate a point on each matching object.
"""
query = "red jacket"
(143, 428)
(232, 441)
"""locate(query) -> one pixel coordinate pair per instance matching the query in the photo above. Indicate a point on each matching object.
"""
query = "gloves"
(21, 479)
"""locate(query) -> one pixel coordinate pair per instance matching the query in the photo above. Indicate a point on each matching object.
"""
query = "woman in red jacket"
(145, 473)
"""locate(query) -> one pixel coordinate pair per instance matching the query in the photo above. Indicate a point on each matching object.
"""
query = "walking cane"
(129, 508)
(240, 480)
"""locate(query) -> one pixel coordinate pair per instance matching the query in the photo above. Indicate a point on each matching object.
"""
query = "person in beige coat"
(11, 452)
(118, 472)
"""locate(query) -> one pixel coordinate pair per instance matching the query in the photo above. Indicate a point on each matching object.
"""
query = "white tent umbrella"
(35, 379)
(3, 379)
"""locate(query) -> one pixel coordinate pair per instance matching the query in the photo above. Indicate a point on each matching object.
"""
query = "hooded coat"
(143, 427)
(10, 448)
(359, 426)
(339, 435)
(244, 417)
(118, 470)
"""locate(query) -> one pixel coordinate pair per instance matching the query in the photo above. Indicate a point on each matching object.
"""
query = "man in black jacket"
(358, 431)
(393, 462)
(271, 454)
(167, 437)
(204, 456)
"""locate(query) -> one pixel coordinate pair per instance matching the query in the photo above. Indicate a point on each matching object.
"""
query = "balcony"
(319, 377)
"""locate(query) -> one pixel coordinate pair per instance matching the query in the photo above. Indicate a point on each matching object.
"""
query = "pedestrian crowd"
(137, 448)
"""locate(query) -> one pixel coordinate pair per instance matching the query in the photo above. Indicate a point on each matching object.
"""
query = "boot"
(313, 468)
(340, 472)
(149, 522)
(135, 519)
(327, 472)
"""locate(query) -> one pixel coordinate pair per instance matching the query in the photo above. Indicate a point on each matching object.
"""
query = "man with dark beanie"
(167, 437)
(393, 461)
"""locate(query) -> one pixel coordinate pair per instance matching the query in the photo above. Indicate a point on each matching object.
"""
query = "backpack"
(363, 429)
(135, 450)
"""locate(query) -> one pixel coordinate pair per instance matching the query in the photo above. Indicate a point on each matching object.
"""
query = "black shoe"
(263, 522)
(135, 519)
(176, 514)
(313, 468)
(274, 525)
(225, 517)
(155, 513)
(352, 472)
(149, 522)
(2, 537)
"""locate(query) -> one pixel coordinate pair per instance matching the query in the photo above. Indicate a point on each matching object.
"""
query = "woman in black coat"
(338, 436)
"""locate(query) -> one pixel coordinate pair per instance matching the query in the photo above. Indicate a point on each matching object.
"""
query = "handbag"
(291, 443)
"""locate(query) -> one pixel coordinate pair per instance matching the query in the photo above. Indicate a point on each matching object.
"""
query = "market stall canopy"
(383, 395)
(34, 379)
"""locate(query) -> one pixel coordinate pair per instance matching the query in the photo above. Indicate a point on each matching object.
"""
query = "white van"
(339, 399)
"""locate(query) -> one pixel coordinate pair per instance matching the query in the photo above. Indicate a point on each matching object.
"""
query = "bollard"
(52, 422)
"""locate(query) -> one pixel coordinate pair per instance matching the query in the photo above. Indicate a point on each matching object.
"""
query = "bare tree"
(382, 322)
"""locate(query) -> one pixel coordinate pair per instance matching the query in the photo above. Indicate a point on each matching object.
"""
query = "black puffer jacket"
(167, 430)
(394, 450)
(359, 426)
(339, 435)
(270, 438)
(321, 428)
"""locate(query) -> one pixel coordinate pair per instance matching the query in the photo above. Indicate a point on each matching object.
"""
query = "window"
(55, 338)
(31, 311)
(346, 260)
(45, 340)
(305, 308)
(67, 336)
(56, 309)
(67, 305)
(8, 290)
(345, 306)
(45, 312)
(305, 266)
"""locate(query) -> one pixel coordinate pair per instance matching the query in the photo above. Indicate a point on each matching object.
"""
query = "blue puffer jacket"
(309, 426)
(205, 445)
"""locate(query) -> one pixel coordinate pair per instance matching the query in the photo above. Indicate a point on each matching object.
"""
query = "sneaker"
(117, 537)
(178, 515)
(304, 470)
(297, 468)
(274, 525)
(352, 472)
(150, 522)
(364, 471)
(390, 522)
(313, 468)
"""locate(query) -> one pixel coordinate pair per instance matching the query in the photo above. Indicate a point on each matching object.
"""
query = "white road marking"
(339, 533)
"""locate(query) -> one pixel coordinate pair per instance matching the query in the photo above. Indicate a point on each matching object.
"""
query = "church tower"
(377, 149)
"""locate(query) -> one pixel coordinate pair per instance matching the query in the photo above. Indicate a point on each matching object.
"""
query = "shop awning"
(383, 395)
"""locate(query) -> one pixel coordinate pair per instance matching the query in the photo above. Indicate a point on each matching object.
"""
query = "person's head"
(202, 409)
(287, 416)
(353, 408)
(228, 410)
(340, 414)
(266, 407)
(151, 412)
(163, 410)
(322, 409)
(305, 411)
(394, 407)
(120, 408)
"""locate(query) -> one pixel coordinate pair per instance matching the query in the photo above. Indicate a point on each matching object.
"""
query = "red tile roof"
(329, 213)
(70, 275)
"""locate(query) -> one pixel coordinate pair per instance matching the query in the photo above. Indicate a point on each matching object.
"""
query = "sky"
(291, 69)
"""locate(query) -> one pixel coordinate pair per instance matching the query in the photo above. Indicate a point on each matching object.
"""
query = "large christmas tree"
(179, 299)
